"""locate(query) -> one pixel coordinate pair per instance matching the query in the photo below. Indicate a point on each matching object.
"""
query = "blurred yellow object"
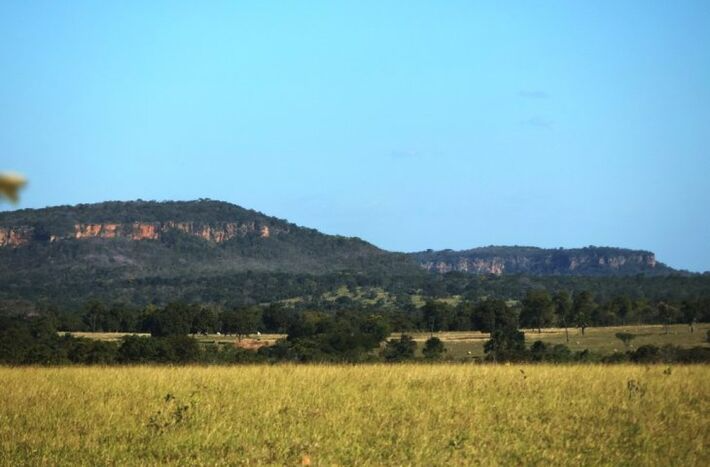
(10, 185)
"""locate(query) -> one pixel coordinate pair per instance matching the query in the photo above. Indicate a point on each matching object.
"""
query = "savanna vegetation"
(356, 415)
(178, 351)
(302, 265)
(181, 333)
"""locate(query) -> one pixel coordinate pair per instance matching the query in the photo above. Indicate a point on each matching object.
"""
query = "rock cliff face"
(514, 260)
(153, 237)
(473, 265)
(15, 236)
(217, 232)
(156, 252)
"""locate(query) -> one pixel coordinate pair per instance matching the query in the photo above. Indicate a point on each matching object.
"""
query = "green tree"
(277, 318)
(137, 349)
(433, 348)
(90, 351)
(437, 315)
(398, 350)
(623, 308)
(507, 342)
(183, 349)
(373, 330)
(173, 320)
(205, 321)
(690, 313)
(538, 310)
(94, 312)
(667, 314)
(583, 308)
(486, 314)
(563, 310)
(241, 321)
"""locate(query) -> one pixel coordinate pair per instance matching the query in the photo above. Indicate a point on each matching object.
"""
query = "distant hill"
(96, 249)
(589, 261)
(142, 238)
(211, 251)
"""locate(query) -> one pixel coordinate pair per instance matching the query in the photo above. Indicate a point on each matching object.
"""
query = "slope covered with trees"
(132, 248)
(209, 252)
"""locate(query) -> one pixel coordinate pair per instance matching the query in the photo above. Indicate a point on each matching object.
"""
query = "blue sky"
(410, 124)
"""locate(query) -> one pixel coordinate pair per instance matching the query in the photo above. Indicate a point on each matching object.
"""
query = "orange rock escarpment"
(96, 230)
(141, 231)
(15, 236)
(217, 233)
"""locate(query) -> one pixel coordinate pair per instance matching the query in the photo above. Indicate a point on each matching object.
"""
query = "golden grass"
(105, 336)
(443, 414)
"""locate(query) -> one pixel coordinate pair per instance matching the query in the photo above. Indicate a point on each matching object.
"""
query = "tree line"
(538, 309)
(316, 336)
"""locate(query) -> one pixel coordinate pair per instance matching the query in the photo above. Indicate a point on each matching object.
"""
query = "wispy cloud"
(528, 94)
(404, 154)
(538, 122)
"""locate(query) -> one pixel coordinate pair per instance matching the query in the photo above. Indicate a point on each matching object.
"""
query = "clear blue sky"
(411, 124)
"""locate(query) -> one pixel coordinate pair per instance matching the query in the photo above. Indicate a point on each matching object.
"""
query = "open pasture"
(600, 340)
(469, 344)
(417, 414)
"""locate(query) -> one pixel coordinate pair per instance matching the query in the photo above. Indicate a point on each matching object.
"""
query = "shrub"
(398, 350)
(433, 348)
(625, 337)
(646, 354)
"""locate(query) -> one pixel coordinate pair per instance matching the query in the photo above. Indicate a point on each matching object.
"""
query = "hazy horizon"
(408, 124)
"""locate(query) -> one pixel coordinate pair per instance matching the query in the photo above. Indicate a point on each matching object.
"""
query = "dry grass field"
(417, 414)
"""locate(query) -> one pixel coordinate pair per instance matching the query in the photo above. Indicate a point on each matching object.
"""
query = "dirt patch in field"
(251, 344)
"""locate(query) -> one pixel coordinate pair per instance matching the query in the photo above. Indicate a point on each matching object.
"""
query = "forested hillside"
(213, 252)
(128, 250)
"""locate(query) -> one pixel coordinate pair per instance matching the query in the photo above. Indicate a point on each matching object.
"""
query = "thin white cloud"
(538, 122)
(536, 94)
(404, 154)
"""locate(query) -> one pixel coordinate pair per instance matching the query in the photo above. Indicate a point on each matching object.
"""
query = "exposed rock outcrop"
(95, 230)
(513, 260)
(15, 236)
(476, 266)
(166, 224)
(217, 232)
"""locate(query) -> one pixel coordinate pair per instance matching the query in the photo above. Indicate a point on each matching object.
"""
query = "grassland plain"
(466, 345)
(412, 414)
(601, 340)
